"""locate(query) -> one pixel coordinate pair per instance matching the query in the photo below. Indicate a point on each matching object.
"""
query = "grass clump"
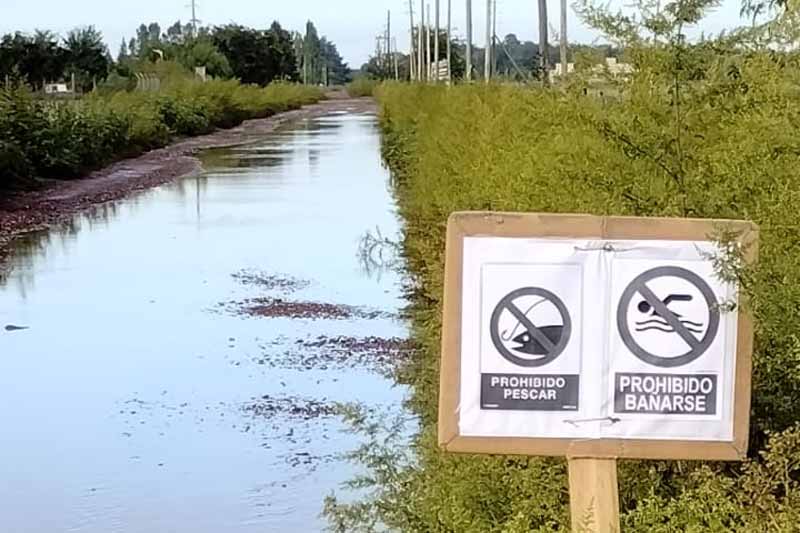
(362, 87)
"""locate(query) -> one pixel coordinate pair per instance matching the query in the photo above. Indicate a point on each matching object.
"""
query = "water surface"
(121, 406)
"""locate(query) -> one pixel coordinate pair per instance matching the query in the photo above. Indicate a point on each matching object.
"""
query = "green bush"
(706, 131)
(361, 87)
(68, 139)
(15, 169)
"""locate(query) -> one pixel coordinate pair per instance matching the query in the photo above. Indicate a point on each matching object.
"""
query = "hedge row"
(731, 149)
(65, 140)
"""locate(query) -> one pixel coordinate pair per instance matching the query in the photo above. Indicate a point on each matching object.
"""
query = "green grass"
(362, 87)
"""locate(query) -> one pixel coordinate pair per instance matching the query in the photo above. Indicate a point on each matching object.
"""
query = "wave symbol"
(659, 324)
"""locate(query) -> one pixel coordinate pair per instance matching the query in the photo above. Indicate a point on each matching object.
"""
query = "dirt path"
(29, 211)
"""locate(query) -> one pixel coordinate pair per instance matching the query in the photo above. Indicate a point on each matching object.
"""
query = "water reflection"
(123, 407)
(378, 254)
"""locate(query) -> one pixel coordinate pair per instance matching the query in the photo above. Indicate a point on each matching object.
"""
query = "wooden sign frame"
(527, 225)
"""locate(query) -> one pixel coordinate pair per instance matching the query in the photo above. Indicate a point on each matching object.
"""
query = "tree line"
(45, 57)
(231, 51)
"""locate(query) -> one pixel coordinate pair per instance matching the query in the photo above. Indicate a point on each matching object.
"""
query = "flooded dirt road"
(172, 361)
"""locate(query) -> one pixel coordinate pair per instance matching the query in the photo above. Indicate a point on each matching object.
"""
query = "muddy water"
(131, 403)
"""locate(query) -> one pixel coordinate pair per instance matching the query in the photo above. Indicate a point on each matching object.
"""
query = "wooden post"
(593, 495)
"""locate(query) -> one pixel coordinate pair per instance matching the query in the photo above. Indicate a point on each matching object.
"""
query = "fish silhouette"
(528, 343)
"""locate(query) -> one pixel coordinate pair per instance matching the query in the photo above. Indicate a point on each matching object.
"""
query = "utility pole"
(487, 56)
(494, 40)
(564, 41)
(428, 43)
(412, 54)
(420, 36)
(468, 75)
(394, 57)
(389, 40)
(449, 39)
(543, 47)
(379, 51)
(436, 46)
(194, 18)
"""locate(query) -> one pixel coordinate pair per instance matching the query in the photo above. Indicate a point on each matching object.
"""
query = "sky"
(351, 24)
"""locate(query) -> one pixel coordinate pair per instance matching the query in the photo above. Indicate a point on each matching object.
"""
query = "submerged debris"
(292, 406)
(279, 308)
(272, 282)
(376, 354)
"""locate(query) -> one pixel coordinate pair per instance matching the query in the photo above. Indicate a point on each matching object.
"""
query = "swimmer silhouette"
(659, 322)
(645, 307)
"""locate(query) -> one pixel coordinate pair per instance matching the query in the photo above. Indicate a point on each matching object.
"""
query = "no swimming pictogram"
(652, 327)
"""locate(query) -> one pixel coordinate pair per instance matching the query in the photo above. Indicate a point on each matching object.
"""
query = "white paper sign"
(566, 338)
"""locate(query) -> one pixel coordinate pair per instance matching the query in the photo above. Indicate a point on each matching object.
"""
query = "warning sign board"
(604, 337)
(530, 359)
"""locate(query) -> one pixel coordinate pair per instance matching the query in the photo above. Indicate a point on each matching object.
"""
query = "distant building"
(56, 88)
(611, 66)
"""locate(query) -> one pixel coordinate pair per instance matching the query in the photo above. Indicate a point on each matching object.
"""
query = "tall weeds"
(66, 140)
(706, 130)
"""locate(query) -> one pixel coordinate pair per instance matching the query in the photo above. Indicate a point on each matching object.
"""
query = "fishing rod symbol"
(525, 338)
(526, 342)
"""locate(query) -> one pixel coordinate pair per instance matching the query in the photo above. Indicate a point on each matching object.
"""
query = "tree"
(87, 56)
(256, 56)
(247, 52)
(338, 71)
(312, 56)
(154, 33)
(122, 56)
(148, 37)
(13, 49)
(203, 53)
(44, 59)
(281, 49)
(176, 34)
(36, 59)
